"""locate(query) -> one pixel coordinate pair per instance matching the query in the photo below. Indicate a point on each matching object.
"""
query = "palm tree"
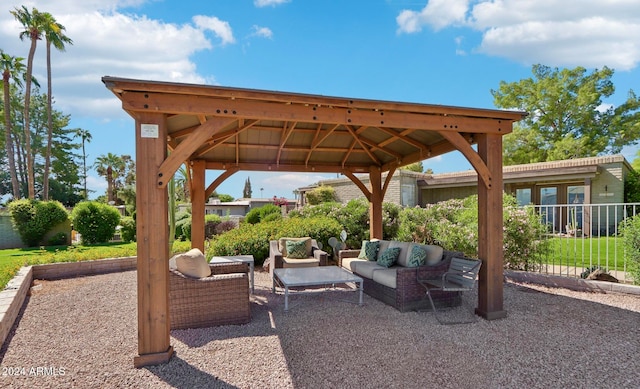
(105, 165)
(54, 35)
(85, 135)
(33, 28)
(12, 67)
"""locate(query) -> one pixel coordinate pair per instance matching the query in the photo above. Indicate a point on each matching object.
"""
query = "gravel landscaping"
(82, 333)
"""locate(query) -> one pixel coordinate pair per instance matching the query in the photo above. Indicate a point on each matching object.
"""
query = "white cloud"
(109, 42)
(263, 32)
(266, 3)
(97, 186)
(553, 32)
(437, 13)
(219, 27)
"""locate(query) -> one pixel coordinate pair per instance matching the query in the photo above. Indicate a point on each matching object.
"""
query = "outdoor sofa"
(397, 284)
(205, 295)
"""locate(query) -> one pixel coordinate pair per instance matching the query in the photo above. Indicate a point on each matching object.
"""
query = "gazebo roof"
(267, 130)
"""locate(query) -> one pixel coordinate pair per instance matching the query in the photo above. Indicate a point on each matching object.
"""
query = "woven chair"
(461, 277)
(220, 299)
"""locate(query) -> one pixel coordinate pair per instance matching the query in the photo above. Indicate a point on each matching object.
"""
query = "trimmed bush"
(321, 194)
(256, 215)
(34, 218)
(95, 221)
(58, 239)
(254, 238)
(630, 229)
(128, 229)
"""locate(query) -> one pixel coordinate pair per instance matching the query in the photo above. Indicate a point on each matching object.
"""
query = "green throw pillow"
(418, 257)
(296, 249)
(369, 250)
(389, 257)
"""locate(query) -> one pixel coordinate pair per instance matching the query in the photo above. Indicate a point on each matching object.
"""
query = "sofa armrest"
(347, 254)
(275, 256)
(321, 256)
(228, 268)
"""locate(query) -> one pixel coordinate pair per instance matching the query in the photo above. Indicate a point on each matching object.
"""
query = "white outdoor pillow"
(192, 264)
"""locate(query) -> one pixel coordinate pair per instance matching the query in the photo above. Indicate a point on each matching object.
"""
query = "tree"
(33, 28)
(566, 115)
(85, 135)
(12, 68)
(105, 166)
(636, 162)
(54, 35)
(246, 192)
(414, 167)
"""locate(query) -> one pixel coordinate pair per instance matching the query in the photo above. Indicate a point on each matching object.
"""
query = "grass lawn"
(585, 252)
(11, 260)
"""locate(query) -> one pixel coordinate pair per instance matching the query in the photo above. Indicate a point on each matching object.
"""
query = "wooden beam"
(187, 147)
(363, 188)
(226, 174)
(286, 133)
(375, 203)
(198, 200)
(218, 139)
(472, 156)
(352, 131)
(152, 231)
(490, 234)
(286, 167)
(267, 110)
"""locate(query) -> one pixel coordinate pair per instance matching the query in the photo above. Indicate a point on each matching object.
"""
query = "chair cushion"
(384, 245)
(417, 256)
(296, 249)
(389, 257)
(404, 251)
(434, 254)
(192, 264)
(300, 262)
(282, 245)
(386, 277)
(369, 250)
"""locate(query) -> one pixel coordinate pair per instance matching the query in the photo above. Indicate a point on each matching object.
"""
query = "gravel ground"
(82, 333)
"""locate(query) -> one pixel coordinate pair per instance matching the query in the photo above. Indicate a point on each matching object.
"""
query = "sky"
(450, 52)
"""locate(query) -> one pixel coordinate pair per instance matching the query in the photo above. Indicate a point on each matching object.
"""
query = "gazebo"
(232, 129)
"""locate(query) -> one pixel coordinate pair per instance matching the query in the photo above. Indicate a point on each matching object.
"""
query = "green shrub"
(453, 224)
(630, 230)
(254, 238)
(183, 228)
(34, 218)
(225, 226)
(256, 215)
(58, 239)
(272, 217)
(128, 229)
(95, 221)
(321, 194)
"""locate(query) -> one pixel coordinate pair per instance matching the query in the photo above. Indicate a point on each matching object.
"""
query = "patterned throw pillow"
(389, 257)
(296, 249)
(369, 250)
(418, 256)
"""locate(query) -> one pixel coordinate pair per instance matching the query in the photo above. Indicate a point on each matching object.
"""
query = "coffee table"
(312, 276)
(248, 259)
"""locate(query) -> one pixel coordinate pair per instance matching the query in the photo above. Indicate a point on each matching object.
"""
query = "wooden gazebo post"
(375, 204)
(153, 247)
(490, 235)
(198, 204)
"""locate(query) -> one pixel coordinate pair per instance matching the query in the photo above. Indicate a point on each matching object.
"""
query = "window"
(523, 196)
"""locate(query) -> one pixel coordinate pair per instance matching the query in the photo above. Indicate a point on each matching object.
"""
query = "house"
(594, 180)
(240, 207)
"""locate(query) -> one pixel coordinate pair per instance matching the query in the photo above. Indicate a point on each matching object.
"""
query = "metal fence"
(586, 236)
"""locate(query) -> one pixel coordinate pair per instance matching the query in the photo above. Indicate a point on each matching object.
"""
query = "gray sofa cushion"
(366, 268)
(386, 277)
(382, 247)
(404, 252)
(300, 262)
(348, 263)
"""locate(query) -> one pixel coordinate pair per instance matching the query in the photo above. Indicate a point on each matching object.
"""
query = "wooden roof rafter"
(318, 138)
(353, 133)
(286, 133)
(218, 139)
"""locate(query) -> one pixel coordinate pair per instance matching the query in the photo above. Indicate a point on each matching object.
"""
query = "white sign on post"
(149, 131)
